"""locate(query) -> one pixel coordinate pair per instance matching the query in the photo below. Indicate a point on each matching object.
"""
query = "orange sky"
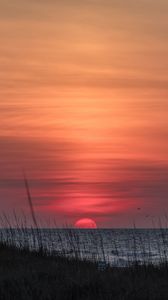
(84, 109)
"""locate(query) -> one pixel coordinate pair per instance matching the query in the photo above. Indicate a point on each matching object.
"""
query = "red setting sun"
(85, 223)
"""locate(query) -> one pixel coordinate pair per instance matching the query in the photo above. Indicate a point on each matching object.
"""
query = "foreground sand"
(25, 275)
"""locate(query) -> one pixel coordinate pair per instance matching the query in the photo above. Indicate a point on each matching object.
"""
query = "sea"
(117, 247)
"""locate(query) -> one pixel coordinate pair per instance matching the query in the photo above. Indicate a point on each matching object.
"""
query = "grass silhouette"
(26, 275)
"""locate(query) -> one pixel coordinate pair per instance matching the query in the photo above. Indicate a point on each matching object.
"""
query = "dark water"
(115, 246)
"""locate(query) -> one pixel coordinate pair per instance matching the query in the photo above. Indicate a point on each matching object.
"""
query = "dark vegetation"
(26, 275)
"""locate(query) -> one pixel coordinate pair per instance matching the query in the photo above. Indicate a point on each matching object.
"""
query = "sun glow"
(85, 223)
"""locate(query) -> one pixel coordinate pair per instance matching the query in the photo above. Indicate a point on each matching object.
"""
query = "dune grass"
(26, 275)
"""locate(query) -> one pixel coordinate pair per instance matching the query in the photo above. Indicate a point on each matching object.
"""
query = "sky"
(84, 110)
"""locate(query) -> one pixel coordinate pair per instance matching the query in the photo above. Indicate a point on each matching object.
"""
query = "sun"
(85, 223)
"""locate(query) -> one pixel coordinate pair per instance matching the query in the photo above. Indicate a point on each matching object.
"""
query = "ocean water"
(118, 247)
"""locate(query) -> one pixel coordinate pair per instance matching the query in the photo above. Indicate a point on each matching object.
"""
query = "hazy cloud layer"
(83, 108)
